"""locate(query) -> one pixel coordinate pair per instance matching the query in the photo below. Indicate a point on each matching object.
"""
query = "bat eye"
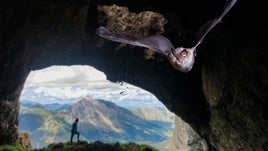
(184, 53)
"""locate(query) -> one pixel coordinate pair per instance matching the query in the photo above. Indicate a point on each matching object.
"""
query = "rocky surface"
(97, 146)
(25, 140)
(223, 98)
(185, 138)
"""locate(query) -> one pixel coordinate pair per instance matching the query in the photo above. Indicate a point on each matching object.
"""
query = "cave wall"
(223, 98)
(235, 85)
(185, 138)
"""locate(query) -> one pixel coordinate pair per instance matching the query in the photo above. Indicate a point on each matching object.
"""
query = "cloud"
(71, 83)
(55, 75)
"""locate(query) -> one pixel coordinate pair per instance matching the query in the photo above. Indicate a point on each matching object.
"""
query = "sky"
(69, 84)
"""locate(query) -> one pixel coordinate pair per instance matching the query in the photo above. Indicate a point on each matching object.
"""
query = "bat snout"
(184, 59)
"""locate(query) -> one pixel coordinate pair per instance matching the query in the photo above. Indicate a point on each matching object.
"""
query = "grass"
(137, 147)
(84, 145)
(13, 147)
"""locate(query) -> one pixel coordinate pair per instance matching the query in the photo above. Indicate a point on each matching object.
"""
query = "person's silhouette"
(74, 130)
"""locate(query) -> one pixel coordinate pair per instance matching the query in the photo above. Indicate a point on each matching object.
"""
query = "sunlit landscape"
(111, 112)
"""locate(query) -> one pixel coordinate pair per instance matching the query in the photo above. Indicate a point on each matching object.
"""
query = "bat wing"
(158, 43)
(206, 28)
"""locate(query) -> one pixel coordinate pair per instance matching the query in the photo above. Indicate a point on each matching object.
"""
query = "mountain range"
(98, 120)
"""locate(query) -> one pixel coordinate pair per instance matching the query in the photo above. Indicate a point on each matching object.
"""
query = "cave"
(223, 98)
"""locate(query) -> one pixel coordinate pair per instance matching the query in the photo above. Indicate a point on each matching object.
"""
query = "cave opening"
(108, 111)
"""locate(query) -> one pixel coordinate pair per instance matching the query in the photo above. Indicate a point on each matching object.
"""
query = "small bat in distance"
(180, 58)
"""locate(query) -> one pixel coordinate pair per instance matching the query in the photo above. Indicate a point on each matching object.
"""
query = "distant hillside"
(154, 114)
(51, 107)
(99, 120)
(44, 127)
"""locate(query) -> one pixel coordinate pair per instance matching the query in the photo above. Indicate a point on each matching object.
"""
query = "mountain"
(98, 120)
(154, 114)
(51, 106)
(44, 127)
(120, 94)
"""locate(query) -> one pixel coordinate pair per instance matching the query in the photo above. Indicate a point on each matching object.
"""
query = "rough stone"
(223, 98)
(185, 138)
(25, 140)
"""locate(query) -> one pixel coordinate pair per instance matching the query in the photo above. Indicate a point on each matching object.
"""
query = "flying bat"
(180, 58)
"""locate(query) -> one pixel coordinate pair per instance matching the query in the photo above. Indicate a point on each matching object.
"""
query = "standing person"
(74, 130)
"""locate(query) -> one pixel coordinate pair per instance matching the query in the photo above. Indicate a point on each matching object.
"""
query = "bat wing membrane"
(123, 37)
(158, 43)
(206, 28)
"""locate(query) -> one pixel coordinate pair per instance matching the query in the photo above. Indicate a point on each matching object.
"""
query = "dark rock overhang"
(226, 87)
